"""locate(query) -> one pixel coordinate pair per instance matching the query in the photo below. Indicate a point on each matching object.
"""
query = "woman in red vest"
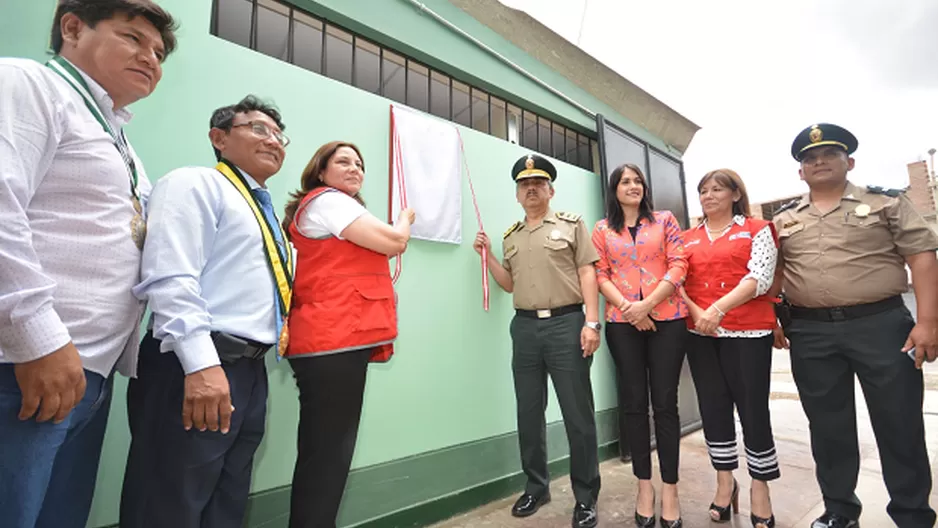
(342, 317)
(731, 265)
(641, 266)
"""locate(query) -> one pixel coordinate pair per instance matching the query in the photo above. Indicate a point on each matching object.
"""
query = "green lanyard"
(68, 72)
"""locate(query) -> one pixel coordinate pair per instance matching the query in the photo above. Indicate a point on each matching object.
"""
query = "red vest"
(715, 268)
(343, 298)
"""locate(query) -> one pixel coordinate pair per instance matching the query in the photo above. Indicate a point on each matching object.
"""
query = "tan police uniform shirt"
(543, 260)
(853, 254)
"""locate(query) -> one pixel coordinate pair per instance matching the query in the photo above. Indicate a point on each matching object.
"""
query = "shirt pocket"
(788, 232)
(863, 229)
(511, 253)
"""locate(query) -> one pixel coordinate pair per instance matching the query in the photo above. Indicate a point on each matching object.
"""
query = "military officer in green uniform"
(548, 266)
(843, 254)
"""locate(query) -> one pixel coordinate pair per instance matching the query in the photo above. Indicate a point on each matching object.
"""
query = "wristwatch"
(594, 325)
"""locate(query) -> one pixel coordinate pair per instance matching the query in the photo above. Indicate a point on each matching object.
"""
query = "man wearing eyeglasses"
(217, 274)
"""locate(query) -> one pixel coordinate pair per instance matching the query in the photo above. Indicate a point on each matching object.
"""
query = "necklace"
(722, 229)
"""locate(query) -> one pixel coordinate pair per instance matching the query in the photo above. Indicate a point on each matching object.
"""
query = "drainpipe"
(501, 57)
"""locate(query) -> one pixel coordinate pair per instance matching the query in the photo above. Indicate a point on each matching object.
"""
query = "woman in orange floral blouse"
(640, 271)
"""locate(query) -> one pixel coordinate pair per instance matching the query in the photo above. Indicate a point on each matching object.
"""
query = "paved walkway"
(795, 496)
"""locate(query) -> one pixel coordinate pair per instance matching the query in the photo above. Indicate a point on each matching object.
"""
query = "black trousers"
(825, 358)
(650, 360)
(331, 391)
(552, 346)
(735, 372)
(189, 479)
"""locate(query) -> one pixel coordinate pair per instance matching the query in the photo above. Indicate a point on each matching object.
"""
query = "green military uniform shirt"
(855, 253)
(543, 260)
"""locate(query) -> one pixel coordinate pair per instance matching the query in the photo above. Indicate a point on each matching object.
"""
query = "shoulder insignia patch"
(892, 193)
(569, 217)
(789, 205)
(514, 227)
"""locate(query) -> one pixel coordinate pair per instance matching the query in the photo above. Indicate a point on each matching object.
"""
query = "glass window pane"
(583, 152)
(543, 136)
(480, 110)
(529, 132)
(338, 54)
(667, 188)
(558, 142)
(570, 147)
(418, 87)
(461, 103)
(273, 29)
(307, 42)
(499, 122)
(367, 66)
(234, 21)
(439, 95)
(393, 76)
(621, 149)
(514, 124)
(594, 156)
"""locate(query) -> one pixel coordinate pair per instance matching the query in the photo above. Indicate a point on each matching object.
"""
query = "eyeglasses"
(263, 131)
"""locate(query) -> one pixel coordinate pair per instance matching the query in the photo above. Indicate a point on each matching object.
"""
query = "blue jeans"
(47, 470)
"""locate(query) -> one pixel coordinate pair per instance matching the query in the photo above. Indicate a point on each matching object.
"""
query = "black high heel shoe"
(757, 521)
(646, 522)
(766, 523)
(677, 523)
(726, 512)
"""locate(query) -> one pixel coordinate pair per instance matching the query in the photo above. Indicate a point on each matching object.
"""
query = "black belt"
(232, 348)
(552, 312)
(844, 313)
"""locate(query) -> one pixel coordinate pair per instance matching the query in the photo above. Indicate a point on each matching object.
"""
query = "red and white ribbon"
(398, 162)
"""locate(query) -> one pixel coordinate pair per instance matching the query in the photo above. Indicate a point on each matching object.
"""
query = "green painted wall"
(450, 381)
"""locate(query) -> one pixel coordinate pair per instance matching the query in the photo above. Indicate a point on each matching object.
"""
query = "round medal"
(284, 340)
(862, 210)
(555, 235)
(138, 230)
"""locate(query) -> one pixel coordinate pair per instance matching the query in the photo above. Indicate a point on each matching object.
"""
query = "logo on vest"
(692, 242)
(741, 234)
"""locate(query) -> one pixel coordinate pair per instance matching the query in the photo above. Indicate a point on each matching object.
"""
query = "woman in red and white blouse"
(731, 266)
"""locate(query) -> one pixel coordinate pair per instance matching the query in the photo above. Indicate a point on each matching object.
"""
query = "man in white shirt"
(218, 276)
(72, 205)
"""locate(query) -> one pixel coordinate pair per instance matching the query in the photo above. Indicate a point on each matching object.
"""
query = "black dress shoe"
(832, 520)
(528, 504)
(584, 516)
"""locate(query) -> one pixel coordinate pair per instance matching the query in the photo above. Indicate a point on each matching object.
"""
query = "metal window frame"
(291, 57)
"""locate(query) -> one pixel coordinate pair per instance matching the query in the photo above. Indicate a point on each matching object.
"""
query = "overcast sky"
(752, 74)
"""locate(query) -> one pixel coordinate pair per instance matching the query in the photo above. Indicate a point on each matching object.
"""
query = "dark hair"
(310, 179)
(223, 118)
(93, 11)
(731, 180)
(614, 215)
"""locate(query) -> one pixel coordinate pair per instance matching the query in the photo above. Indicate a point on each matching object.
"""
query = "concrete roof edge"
(583, 70)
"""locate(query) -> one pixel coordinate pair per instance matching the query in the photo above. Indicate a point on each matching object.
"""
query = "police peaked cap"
(533, 166)
(820, 135)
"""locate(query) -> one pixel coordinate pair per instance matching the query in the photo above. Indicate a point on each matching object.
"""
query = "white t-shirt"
(329, 214)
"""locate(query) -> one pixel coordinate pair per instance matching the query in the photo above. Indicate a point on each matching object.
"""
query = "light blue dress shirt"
(204, 267)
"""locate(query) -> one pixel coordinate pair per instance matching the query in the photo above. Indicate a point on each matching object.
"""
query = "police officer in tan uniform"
(843, 254)
(548, 266)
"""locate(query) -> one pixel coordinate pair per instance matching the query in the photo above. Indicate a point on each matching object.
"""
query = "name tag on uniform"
(741, 234)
